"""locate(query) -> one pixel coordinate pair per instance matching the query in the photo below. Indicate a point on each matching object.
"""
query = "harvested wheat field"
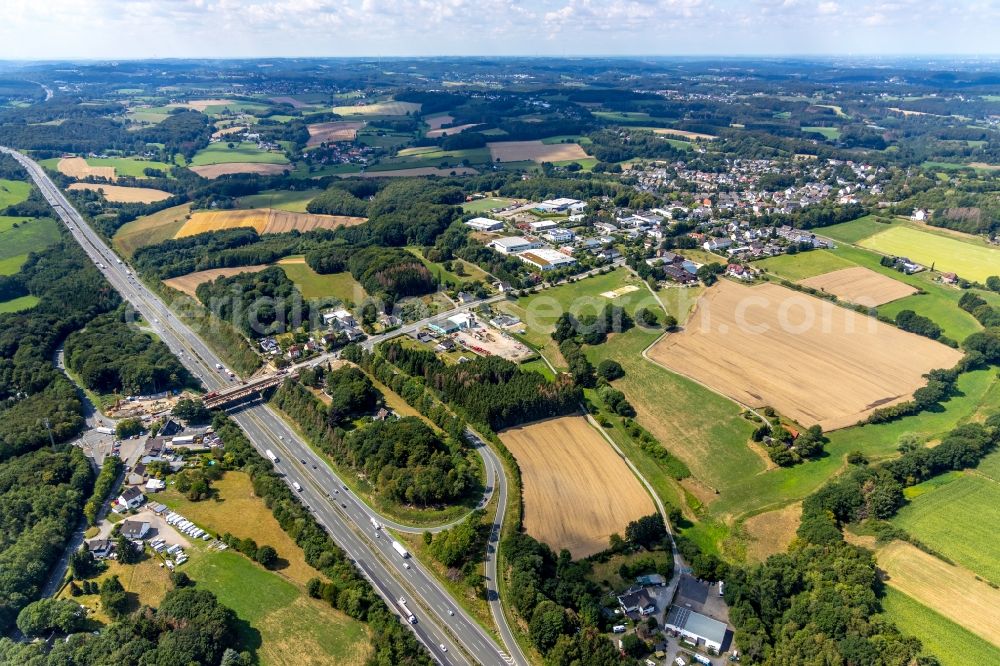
(415, 171)
(189, 283)
(684, 134)
(577, 491)
(291, 101)
(235, 129)
(211, 171)
(771, 532)
(860, 285)
(517, 151)
(125, 194)
(264, 220)
(952, 591)
(201, 104)
(77, 167)
(813, 361)
(339, 130)
(450, 131)
(435, 122)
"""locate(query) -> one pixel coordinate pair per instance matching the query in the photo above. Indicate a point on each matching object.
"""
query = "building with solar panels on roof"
(697, 628)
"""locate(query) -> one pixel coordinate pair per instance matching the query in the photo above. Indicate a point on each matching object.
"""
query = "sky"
(127, 29)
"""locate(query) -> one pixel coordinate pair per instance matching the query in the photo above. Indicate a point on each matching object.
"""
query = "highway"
(442, 623)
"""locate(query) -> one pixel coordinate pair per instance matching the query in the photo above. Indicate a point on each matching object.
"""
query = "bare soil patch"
(517, 151)
(950, 590)
(771, 532)
(813, 361)
(77, 167)
(189, 283)
(264, 220)
(212, 171)
(860, 285)
(125, 194)
(577, 491)
(339, 130)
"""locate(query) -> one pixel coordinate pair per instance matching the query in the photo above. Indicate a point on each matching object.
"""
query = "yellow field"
(813, 361)
(682, 133)
(188, 284)
(151, 229)
(212, 171)
(950, 590)
(77, 167)
(340, 130)
(517, 151)
(124, 194)
(235, 129)
(577, 491)
(772, 531)
(264, 220)
(450, 131)
(860, 285)
(378, 109)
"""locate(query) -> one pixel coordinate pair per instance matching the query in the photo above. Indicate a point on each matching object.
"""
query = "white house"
(560, 235)
(484, 224)
(513, 245)
(714, 244)
(134, 529)
(131, 498)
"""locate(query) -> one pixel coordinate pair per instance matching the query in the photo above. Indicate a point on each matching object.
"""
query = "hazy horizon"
(233, 29)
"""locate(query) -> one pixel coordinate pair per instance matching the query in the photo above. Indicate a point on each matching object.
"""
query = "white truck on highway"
(270, 454)
(377, 525)
(407, 613)
(398, 547)
(295, 484)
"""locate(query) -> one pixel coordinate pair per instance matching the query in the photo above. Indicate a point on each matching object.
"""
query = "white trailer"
(270, 454)
(407, 613)
(376, 524)
(398, 547)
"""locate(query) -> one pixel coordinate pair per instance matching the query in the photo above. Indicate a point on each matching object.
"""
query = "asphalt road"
(347, 520)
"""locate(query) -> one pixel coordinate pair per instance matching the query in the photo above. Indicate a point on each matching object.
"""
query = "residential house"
(131, 498)
(636, 600)
(101, 549)
(134, 529)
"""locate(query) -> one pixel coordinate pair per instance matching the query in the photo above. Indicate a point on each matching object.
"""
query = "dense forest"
(112, 356)
(490, 390)
(42, 495)
(403, 459)
(390, 271)
(258, 304)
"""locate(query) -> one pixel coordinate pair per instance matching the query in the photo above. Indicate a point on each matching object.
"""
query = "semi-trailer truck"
(398, 547)
(410, 617)
(377, 525)
(270, 454)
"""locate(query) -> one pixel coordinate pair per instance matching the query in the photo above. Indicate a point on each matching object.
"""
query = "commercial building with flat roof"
(696, 627)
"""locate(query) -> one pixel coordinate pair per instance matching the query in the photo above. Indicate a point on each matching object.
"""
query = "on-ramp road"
(441, 621)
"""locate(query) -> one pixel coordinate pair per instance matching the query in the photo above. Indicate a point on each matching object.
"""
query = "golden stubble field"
(188, 284)
(517, 151)
(860, 285)
(211, 171)
(952, 591)
(577, 490)
(338, 130)
(264, 220)
(124, 194)
(813, 361)
(77, 167)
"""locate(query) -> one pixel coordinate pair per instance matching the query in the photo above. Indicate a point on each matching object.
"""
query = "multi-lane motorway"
(450, 634)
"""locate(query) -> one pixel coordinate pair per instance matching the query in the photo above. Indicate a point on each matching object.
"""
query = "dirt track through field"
(77, 167)
(577, 491)
(125, 194)
(860, 285)
(189, 283)
(339, 130)
(950, 590)
(813, 361)
(264, 220)
(517, 151)
(212, 171)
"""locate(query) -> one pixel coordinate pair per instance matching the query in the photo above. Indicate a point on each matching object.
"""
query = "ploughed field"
(577, 490)
(860, 285)
(813, 361)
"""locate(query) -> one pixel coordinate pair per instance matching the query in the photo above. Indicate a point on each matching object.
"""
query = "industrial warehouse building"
(696, 627)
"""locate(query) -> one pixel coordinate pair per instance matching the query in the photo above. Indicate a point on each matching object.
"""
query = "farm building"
(484, 224)
(636, 601)
(513, 245)
(696, 627)
(546, 259)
